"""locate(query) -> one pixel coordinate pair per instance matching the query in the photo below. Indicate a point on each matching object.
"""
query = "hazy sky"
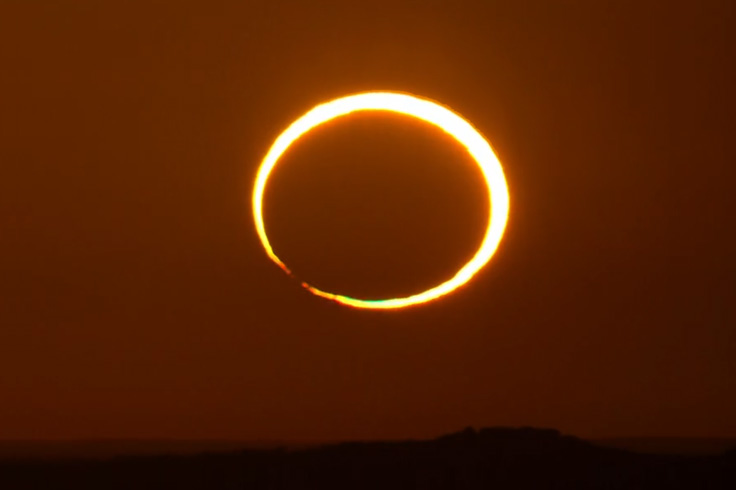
(135, 298)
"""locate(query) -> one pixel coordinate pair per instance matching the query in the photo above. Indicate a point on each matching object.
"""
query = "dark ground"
(497, 458)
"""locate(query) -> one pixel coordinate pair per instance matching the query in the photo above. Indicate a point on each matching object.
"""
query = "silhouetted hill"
(498, 458)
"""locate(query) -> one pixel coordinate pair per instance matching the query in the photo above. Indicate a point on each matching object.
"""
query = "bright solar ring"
(427, 111)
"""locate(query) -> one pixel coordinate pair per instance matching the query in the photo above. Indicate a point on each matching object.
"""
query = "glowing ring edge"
(428, 111)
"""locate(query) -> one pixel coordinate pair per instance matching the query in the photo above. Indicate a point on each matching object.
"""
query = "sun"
(423, 109)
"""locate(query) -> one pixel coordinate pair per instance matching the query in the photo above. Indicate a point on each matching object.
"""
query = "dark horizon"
(484, 458)
(105, 449)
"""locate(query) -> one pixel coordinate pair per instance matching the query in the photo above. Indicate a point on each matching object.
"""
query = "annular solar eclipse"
(431, 112)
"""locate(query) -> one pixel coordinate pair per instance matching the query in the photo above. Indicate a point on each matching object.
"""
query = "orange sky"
(135, 298)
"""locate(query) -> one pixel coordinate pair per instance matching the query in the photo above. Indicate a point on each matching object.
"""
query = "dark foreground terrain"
(489, 458)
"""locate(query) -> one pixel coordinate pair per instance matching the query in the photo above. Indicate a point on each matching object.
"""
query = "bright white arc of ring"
(427, 111)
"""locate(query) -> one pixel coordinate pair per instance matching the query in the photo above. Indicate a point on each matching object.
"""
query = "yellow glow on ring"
(428, 111)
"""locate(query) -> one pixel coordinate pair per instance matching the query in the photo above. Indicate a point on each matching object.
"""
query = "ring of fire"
(427, 111)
